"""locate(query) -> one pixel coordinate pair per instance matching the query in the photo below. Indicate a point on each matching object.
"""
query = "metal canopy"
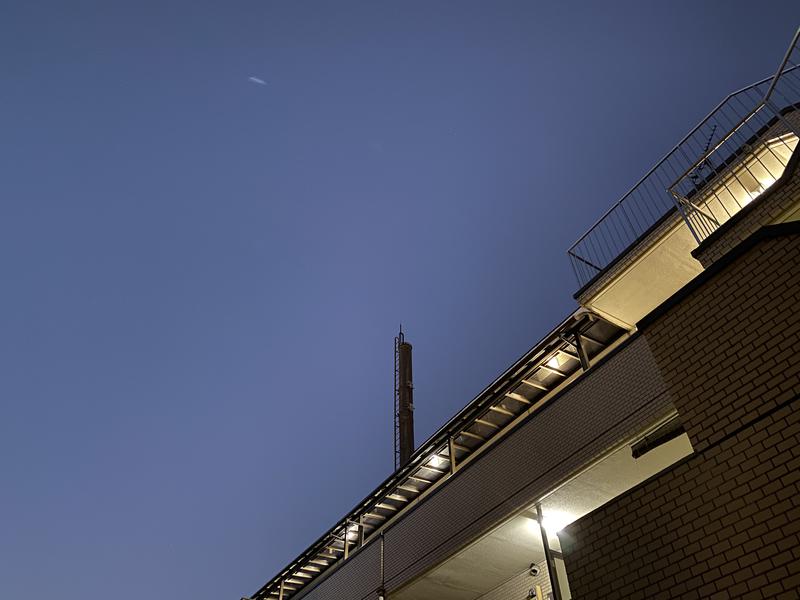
(544, 370)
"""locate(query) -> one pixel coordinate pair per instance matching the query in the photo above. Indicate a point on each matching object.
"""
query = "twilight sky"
(214, 215)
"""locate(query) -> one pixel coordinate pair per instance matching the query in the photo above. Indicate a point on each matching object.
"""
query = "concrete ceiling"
(609, 478)
(491, 561)
(650, 279)
(510, 549)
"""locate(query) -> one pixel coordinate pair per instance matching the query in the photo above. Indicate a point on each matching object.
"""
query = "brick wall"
(729, 349)
(724, 522)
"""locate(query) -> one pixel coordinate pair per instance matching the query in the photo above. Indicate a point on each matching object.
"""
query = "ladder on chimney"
(397, 341)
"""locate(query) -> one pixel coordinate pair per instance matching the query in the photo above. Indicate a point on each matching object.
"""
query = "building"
(649, 446)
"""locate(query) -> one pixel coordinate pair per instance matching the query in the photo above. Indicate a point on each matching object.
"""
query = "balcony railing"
(580, 341)
(744, 143)
(751, 157)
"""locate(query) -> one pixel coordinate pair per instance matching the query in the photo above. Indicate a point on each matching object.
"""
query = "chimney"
(404, 402)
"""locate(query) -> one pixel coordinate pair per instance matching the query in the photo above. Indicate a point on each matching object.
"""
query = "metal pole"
(584, 357)
(451, 449)
(783, 64)
(548, 555)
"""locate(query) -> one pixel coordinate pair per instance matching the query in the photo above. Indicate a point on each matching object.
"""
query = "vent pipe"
(404, 394)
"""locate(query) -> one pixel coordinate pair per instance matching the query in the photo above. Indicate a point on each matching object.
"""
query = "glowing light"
(437, 462)
(553, 362)
(749, 179)
(762, 186)
(351, 530)
(555, 521)
(765, 183)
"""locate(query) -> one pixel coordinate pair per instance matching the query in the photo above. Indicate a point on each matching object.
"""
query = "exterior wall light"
(555, 521)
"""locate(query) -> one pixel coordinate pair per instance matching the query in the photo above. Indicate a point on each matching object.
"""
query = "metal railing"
(671, 187)
(751, 156)
(552, 365)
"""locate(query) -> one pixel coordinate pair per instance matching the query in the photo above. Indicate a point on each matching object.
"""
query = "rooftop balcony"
(639, 252)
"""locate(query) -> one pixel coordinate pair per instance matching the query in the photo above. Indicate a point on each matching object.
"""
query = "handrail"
(578, 323)
(654, 196)
(779, 72)
(706, 212)
(719, 144)
(752, 112)
(668, 154)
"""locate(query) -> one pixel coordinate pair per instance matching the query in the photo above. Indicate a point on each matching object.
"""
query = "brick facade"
(725, 521)
(728, 351)
(722, 524)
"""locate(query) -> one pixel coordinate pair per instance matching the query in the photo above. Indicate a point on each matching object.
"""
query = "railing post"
(779, 72)
(582, 354)
(781, 118)
(451, 449)
(685, 216)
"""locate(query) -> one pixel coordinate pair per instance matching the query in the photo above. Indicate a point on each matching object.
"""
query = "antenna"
(704, 163)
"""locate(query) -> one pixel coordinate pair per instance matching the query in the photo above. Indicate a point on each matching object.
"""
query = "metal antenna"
(695, 174)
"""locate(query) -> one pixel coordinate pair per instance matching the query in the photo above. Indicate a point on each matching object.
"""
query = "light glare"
(555, 521)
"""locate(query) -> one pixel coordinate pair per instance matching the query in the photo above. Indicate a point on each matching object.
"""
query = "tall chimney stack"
(404, 422)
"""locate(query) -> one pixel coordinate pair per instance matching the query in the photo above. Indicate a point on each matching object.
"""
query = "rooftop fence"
(733, 154)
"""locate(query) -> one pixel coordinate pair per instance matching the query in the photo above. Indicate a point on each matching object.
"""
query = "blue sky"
(203, 272)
